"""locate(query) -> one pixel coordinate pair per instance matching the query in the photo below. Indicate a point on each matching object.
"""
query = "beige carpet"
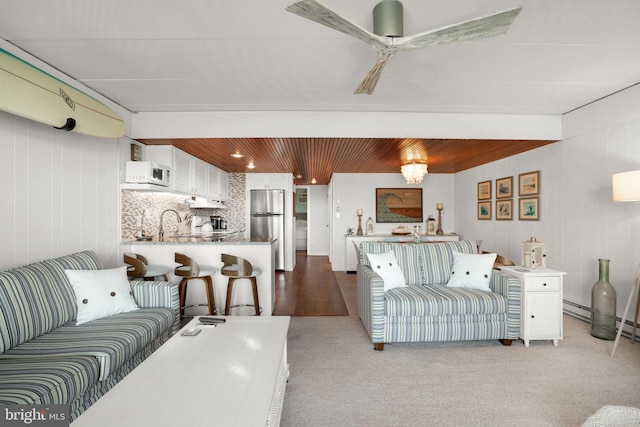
(337, 379)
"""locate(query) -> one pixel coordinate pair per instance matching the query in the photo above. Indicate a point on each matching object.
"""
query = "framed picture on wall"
(504, 209)
(529, 208)
(484, 210)
(399, 205)
(484, 190)
(529, 184)
(504, 188)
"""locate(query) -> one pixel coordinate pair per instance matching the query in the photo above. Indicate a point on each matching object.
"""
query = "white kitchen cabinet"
(181, 169)
(218, 183)
(214, 182)
(541, 303)
(223, 185)
(270, 181)
(199, 177)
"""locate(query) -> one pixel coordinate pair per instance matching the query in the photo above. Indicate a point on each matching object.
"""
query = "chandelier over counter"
(414, 172)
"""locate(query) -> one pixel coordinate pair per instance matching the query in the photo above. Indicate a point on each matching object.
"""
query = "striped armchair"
(46, 359)
(427, 310)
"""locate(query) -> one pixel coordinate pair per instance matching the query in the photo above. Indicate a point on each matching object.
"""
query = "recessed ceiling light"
(237, 155)
(251, 165)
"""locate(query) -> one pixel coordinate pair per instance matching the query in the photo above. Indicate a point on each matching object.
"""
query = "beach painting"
(529, 183)
(504, 209)
(484, 210)
(484, 190)
(399, 205)
(529, 208)
(504, 187)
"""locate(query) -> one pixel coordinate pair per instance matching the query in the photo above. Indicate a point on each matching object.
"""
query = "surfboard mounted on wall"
(27, 91)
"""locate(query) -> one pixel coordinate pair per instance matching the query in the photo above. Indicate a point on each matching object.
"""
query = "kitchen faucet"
(161, 229)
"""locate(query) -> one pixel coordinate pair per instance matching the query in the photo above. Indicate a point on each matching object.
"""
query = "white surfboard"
(27, 91)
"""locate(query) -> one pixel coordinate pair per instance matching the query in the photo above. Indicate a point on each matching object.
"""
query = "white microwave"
(148, 173)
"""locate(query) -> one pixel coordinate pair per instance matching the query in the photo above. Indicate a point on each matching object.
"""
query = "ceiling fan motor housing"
(387, 19)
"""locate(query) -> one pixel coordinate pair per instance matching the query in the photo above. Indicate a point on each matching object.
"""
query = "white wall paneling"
(60, 193)
(579, 221)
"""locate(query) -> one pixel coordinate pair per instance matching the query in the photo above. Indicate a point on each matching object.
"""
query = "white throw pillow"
(101, 293)
(387, 267)
(471, 271)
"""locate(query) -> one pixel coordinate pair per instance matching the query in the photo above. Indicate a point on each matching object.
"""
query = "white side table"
(541, 304)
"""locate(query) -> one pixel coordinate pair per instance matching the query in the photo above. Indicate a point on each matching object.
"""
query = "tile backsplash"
(146, 207)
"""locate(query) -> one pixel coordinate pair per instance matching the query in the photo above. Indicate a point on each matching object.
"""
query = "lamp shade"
(626, 186)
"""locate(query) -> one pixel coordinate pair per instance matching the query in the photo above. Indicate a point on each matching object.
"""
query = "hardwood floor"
(310, 289)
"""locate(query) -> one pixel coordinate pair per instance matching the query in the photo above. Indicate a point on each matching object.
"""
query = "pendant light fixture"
(414, 172)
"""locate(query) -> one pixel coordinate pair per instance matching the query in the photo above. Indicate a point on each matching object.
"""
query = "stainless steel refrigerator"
(267, 219)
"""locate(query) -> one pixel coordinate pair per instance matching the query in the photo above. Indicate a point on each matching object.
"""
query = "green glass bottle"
(603, 305)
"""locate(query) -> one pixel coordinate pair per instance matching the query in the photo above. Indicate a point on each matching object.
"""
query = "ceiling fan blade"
(368, 84)
(483, 27)
(315, 11)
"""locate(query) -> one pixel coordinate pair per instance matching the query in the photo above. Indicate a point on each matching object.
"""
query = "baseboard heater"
(583, 312)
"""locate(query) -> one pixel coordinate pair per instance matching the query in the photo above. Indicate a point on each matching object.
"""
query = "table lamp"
(626, 188)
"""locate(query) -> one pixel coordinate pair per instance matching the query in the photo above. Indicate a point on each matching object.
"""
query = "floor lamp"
(626, 188)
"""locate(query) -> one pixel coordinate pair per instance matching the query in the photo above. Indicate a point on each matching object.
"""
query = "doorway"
(301, 218)
(312, 219)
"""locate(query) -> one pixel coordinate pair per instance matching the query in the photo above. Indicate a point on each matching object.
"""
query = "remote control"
(211, 320)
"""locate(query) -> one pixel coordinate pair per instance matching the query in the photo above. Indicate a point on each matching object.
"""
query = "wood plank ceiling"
(319, 158)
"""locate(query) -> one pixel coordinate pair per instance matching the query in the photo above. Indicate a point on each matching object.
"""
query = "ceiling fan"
(387, 39)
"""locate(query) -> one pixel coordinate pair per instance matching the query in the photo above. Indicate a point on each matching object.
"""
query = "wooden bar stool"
(189, 270)
(138, 268)
(239, 268)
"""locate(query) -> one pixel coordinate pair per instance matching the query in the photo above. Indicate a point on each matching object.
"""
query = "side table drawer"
(543, 284)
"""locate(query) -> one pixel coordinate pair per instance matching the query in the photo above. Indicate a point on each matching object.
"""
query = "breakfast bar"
(206, 249)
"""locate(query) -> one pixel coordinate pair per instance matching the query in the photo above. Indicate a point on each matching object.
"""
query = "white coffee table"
(233, 374)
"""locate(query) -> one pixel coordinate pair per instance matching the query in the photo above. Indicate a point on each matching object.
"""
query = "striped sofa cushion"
(405, 253)
(440, 300)
(112, 340)
(44, 381)
(436, 259)
(98, 390)
(38, 298)
(152, 294)
(421, 263)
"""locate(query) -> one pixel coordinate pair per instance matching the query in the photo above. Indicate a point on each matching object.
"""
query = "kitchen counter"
(208, 237)
(203, 239)
(206, 249)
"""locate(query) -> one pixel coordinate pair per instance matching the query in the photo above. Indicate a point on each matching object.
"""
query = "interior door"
(318, 220)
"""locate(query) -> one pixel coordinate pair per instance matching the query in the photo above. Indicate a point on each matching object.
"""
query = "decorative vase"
(603, 305)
